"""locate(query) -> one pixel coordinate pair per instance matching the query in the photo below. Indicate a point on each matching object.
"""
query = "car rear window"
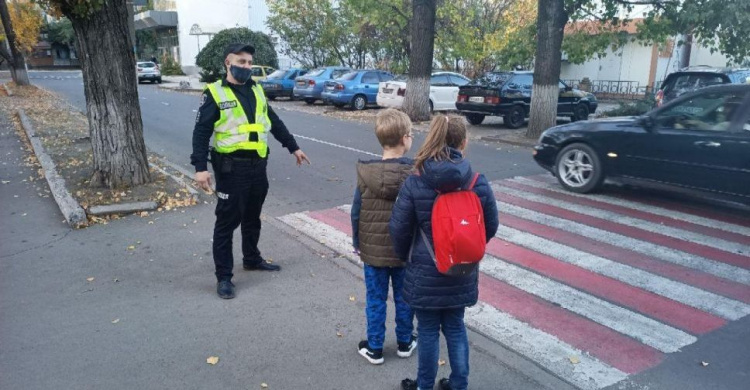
(316, 73)
(146, 64)
(279, 74)
(349, 76)
(740, 77)
(692, 81)
(492, 79)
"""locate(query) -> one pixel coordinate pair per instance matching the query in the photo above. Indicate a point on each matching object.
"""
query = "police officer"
(235, 111)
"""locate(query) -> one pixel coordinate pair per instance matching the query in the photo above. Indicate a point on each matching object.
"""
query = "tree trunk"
(113, 109)
(417, 98)
(687, 47)
(550, 25)
(17, 64)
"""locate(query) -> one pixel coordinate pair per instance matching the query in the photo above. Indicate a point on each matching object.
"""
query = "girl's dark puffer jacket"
(424, 287)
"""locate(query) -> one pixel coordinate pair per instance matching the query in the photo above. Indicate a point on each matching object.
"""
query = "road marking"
(337, 145)
(543, 348)
(667, 254)
(684, 236)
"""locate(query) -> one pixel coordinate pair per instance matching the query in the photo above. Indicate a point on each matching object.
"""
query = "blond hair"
(445, 131)
(391, 126)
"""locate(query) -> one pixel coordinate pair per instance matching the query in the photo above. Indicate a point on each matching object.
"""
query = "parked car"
(147, 70)
(310, 86)
(357, 88)
(443, 91)
(281, 83)
(694, 77)
(700, 140)
(261, 72)
(508, 94)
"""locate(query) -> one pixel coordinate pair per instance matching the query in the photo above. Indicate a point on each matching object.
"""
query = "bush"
(211, 58)
(639, 107)
(170, 67)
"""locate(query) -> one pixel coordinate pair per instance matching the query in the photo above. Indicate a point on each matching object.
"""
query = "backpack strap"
(473, 181)
(428, 246)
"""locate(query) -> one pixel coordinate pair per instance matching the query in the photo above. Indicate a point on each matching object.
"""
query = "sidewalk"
(182, 83)
(132, 305)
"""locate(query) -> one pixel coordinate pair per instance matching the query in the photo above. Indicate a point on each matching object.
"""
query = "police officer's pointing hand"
(301, 157)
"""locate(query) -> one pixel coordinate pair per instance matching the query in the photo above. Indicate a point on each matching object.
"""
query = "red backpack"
(457, 231)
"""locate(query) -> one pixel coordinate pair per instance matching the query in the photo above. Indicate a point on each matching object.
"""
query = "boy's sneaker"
(374, 356)
(445, 384)
(409, 384)
(406, 349)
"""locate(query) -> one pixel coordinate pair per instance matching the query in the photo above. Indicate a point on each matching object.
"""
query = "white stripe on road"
(652, 227)
(729, 227)
(336, 145)
(542, 348)
(646, 330)
(689, 295)
(712, 267)
(327, 235)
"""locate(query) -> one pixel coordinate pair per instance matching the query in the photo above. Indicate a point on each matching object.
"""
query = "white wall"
(212, 16)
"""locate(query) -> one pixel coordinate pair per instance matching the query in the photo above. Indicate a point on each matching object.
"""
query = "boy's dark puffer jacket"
(424, 287)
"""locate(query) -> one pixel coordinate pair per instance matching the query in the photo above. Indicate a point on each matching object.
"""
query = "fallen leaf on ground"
(91, 279)
(212, 360)
(116, 280)
(441, 362)
(704, 364)
(263, 385)
(574, 359)
(116, 320)
(352, 298)
(339, 334)
(131, 247)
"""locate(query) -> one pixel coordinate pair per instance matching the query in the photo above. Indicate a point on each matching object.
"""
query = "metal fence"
(615, 89)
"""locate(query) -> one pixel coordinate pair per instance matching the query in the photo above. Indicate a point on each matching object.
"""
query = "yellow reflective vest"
(233, 131)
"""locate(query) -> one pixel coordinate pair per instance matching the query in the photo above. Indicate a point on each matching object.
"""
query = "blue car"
(281, 83)
(310, 86)
(357, 88)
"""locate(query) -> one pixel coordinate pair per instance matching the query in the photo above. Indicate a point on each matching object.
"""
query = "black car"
(700, 140)
(508, 94)
(695, 77)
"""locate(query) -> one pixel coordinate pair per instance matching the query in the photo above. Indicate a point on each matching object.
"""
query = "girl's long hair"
(445, 131)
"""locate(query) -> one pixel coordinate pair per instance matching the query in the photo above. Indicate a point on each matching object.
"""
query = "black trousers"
(241, 194)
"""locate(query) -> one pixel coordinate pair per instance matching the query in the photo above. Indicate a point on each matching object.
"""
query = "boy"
(378, 184)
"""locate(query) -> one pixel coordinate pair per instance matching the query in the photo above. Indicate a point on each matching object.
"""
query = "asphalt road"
(150, 317)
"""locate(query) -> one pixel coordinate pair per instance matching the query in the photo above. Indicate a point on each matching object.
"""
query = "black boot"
(225, 289)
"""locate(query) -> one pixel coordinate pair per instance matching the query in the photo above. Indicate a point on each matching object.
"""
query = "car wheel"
(515, 118)
(310, 101)
(475, 119)
(359, 102)
(580, 113)
(578, 168)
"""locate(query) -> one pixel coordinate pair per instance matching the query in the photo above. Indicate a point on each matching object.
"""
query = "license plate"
(329, 88)
(386, 90)
(477, 99)
(301, 83)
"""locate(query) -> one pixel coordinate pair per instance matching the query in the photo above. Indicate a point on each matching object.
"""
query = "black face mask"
(240, 74)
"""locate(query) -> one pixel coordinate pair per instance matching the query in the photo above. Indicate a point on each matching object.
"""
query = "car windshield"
(401, 77)
(316, 73)
(279, 74)
(348, 76)
(146, 64)
(492, 79)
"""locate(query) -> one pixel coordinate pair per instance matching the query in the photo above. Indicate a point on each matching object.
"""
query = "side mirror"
(568, 88)
(646, 121)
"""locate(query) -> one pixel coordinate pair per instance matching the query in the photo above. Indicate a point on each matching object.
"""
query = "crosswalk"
(593, 288)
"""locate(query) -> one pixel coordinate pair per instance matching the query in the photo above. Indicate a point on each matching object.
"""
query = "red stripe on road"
(333, 217)
(644, 215)
(632, 258)
(656, 306)
(629, 231)
(680, 207)
(607, 345)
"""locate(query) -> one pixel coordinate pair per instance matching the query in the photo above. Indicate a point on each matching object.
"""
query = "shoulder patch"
(227, 105)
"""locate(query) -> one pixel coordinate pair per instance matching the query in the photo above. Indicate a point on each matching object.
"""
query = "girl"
(438, 300)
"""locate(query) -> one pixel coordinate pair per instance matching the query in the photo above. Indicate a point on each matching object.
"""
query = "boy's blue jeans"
(454, 330)
(376, 281)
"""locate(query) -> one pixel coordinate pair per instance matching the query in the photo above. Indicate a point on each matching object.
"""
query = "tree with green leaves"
(721, 25)
(306, 28)
(109, 80)
(61, 32)
(12, 24)
(211, 57)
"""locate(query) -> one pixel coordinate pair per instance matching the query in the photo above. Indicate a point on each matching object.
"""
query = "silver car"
(148, 70)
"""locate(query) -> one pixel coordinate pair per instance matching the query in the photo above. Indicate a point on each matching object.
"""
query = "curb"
(502, 141)
(193, 192)
(73, 212)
